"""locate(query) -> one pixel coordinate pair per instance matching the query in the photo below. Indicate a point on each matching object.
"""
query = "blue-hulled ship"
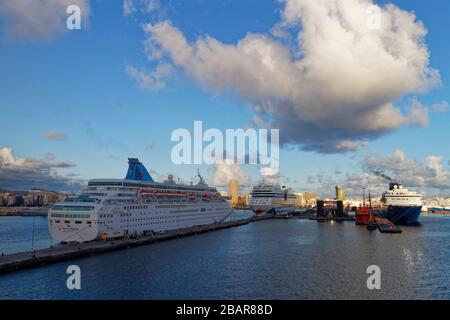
(403, 206)
(439, 210)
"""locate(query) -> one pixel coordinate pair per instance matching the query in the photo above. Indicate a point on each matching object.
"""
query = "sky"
(352, 95)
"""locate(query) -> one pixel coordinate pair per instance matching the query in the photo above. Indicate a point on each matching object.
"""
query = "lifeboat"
(207, 197)
(163, 192)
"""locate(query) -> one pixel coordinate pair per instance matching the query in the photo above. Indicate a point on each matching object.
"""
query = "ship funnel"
(137, 171)
(394, 185)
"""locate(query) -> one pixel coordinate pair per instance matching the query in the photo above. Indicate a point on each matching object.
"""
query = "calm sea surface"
(16, 234)
(274, 259)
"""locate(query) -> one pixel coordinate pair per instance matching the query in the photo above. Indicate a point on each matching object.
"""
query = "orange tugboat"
(362, 216)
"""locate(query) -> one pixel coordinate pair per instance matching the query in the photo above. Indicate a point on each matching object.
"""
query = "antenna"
(370, 207)
(32, 236)
(202, 181)
(364, 196)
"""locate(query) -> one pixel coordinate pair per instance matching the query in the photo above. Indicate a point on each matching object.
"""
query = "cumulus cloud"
(55, 135)
(27, 173)
(151, 5)
(334, 87)
(354, 182)
(418, 114)
(38, 20)
(432, 175)
(440, 107)
(226, 170)
(274, 179)
(153, 81)
(310, 179)
(129, 7)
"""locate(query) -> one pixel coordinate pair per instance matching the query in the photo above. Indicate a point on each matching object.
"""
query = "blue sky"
(76, 83)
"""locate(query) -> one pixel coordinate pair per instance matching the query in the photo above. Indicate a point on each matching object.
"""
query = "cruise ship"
(136, 205)
(268, 198)
(403, 206)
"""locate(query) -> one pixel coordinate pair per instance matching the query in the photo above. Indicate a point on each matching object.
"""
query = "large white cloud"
(38, 20)
(335, 86)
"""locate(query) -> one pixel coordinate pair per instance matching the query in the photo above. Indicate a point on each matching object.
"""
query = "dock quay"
(267, 216)
(264, 216)
(320, 219)
(64, 252)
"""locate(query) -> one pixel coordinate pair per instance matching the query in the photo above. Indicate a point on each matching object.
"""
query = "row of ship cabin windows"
(76, 222)
(157, 223)
(135, 207)
(163, 219)
(70, 216)
(186, 217)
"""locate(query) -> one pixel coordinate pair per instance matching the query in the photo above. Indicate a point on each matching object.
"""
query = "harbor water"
(22, 233)
(271, 259)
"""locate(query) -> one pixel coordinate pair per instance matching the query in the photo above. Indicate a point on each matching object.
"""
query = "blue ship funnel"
(137, 171)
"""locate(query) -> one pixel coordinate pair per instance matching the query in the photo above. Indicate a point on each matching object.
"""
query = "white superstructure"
(271, 198)
(399, 196)
(136, 205)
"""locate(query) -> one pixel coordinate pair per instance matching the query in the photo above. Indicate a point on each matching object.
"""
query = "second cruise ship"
(268, 198)
(403, 206)
(136, 205)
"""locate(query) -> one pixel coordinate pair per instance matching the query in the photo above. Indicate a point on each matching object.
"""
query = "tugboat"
(371, 225)
(362, 215)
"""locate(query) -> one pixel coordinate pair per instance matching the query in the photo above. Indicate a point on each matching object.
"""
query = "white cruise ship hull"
(271, 205)
(137, 220)
(71, 232)
(266, 198)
